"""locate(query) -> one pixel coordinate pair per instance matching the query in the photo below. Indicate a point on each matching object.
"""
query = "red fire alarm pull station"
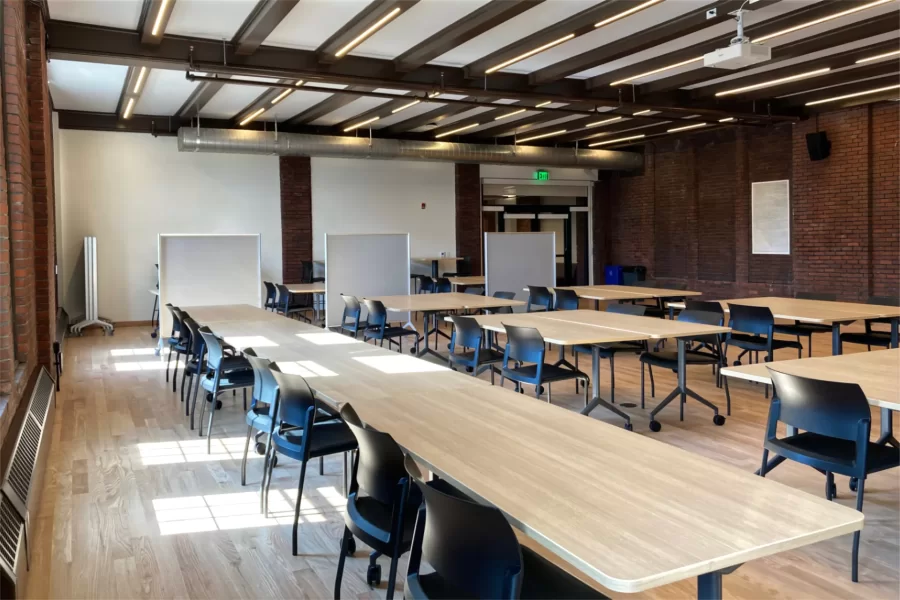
(423, 206)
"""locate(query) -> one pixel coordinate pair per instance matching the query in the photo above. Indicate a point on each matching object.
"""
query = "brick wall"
(686, 217)
(296, 215)
(468, 214)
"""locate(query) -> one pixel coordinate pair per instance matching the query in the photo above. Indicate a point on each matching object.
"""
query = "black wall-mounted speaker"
(818, 145)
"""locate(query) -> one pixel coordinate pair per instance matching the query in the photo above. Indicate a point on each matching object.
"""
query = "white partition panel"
(515, 260)
(365, 265)
(208, 269)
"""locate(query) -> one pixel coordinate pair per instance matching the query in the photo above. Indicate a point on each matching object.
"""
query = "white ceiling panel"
(294, 104)
(417, 24)
(403, 115)
(164, 92)
(206, 19)
(560, 121)
(232, 99)
(110, 13)
(494, 122)
(85, 86)
(532, 20)
(314, 21)
(466, 114)
(327, 86)
(348, 111)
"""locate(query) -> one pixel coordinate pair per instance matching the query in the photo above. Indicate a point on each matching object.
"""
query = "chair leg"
(549, 393)
(345, 541)
(297, 508)
(194, 400)
(183, 377)
(612, 378)
(765, 463)
(175, 371)
(829, 485)
(392, 575)
(168, 360)
(727, 397)
(245, 399)
(244, 459)
(800, 349)
(854, 576)
(642, 386)
(266, 483)
(652, 383)
(809, 346)
(575, 354)
(321, 465)
(212, 414)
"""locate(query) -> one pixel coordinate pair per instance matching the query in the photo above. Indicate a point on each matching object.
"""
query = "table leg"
(682, 391)
(595, 391)
(895, 326)
(709, 585)
(435, 265)
(887, 429)
(427, 333)
(836, 348)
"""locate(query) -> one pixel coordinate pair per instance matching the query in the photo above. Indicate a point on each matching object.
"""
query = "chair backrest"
(175, 323)
(504, 310)
(539, 296)
(196, 346)
(284, 294)
(751, 319)
(379, 465)
(215, 352)
(377, 313)
(471, 546)
(475, 290)
(306, 271)
(426, 283)
(297, 404)
(464, 267)
(264, 386)
(271, 292)
(524, 344)
(825, 407)
(816, 296)
(701, 317)
(443, 286)
(884, 300)
(352, 309)
(636, 310)
(565, 300)
(676, 285)
(710, 306)
(466, 332)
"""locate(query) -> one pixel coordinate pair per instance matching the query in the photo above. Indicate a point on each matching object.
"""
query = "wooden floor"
(133, 507)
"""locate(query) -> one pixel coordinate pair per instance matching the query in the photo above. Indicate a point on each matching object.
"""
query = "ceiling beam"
(502, 129)
(329, 105)
(154, 18)
(266, 16)
(202, 94)
(263, 102)
(576, 25)
(381, 111)
(829, 39)
(870, 73)
(843, 90)
(472, 25)
(642, 40)
(436, 115)
(135, 82)
(360, 25)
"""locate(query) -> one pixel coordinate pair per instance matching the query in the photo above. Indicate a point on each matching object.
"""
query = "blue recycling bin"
(613, 275)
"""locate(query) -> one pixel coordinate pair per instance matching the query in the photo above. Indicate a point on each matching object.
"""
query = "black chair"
(263, 406)
(306, 271)
(539, 298)
(464, 267)
(271, 296)
(523, 362)
(475, 358)
(872, 337)
(290, 307)
(707, 306)
(504, 310)
(223, 372)
(177, 345)
(295, 436)
(425, 284)
(474, 553)
(194, 363)
(565, 300)
(379, 329)
(798, 329)
(443, 286)
(475, 290)
(753, 331)
(352, 311)
(609, 351)
(836, 420)
(381, 506)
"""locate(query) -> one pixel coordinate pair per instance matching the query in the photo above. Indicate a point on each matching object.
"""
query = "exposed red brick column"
(41, 139)
(885, 232)
(296, 215)
(468, 214)
(6, 317)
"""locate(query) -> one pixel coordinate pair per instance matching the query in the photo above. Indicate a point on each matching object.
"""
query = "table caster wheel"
(541, 390)
(718, 420)
(260, 448)
(218, 404)
(351, 546)
(655, 426)
(373, 575)
(153, 335)
(854, 484)
(412, 350)
(629, 427)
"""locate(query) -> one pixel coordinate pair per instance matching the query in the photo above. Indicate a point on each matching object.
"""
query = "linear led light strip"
(878, 57)
(507, 115)
(285, 93)
(128, 109)
(846, 96)
(405, 106)
(252, 116)
(774, 82)
(140, 80)
(372, 29)
(686, 127)
(604, 122)
(361, 123)
(759, 40)
(457, 130)
(616, 141)
(543, 135)
(543, 104)
(525, 55)
(159, 16)
(625, 13)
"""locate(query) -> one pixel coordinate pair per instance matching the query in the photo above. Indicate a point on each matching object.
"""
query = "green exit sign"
(542, 175)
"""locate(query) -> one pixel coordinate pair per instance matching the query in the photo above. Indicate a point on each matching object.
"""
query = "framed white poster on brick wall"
(770, 216)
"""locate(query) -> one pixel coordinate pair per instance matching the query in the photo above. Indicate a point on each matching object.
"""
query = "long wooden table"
(306, 288)
(821, 312)
(467, 280)
(590, 327)
(601, 293)
(630, 512)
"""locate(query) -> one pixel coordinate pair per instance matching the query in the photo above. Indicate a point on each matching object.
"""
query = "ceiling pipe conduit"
(240, 141)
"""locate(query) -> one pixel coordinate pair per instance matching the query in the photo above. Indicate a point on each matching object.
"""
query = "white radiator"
(91, 312)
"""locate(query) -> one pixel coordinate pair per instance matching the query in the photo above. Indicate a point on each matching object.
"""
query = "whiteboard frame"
(788, 219)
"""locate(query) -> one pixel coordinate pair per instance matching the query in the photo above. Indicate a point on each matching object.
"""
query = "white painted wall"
(127, 188)
(353, 196)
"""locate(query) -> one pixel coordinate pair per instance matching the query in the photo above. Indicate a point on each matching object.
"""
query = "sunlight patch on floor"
(189, 451)
(305, 368)
(147, 365)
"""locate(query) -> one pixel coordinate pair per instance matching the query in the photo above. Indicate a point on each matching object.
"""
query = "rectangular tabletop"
(443, 301)
(555, 331)
(306, 288)
(468, 280)
(651, 292)
(813, 311)
(878, 373)
(631, 512)
(650, 327)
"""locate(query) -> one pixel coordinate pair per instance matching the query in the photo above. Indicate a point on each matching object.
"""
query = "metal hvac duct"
(239, 141)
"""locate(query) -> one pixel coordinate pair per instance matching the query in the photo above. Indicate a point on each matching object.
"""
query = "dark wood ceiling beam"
(263, 101)
(642, 40)
(578, 24)
(366, 18)
(472, 25)
(261, 22)
(483, 117)
(795, 17)
(201, 95)
(154, 18)
(829, 39)
(381, 111)
(502, 129)
(435, 115)
(843, 90)
(329, 105)
(871, 72)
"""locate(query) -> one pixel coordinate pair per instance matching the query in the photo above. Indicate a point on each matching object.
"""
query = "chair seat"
(755, 342)
(874, 338)
(351, 327)
(232, 379)
(329, 438)
(370, 521)
(668, 359)
(802, 329)
(829, 449)
(486, 356)
(258, 418)
(549, 374)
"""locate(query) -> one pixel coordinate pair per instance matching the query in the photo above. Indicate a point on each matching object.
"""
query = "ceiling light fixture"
(516, 112)
(457, 130)
(361, 123)
(774, 82)
(824, 19)
(655, 71)
(525, 55)
(598, 123)
(159, 17)
(727, 120)
(625, 13)
(405, 106)
(434, 94)
(642, 112)
(846, 96)
(686, 127)
(878, 57)
(128, 109)
(372, 29)
(543, 135)
(543, 104)
(624, 139)
(281, 96)
(140, 80)
(252, 116)
(299, 83)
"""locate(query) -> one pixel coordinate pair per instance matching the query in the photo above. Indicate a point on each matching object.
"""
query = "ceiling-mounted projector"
(740, 52)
